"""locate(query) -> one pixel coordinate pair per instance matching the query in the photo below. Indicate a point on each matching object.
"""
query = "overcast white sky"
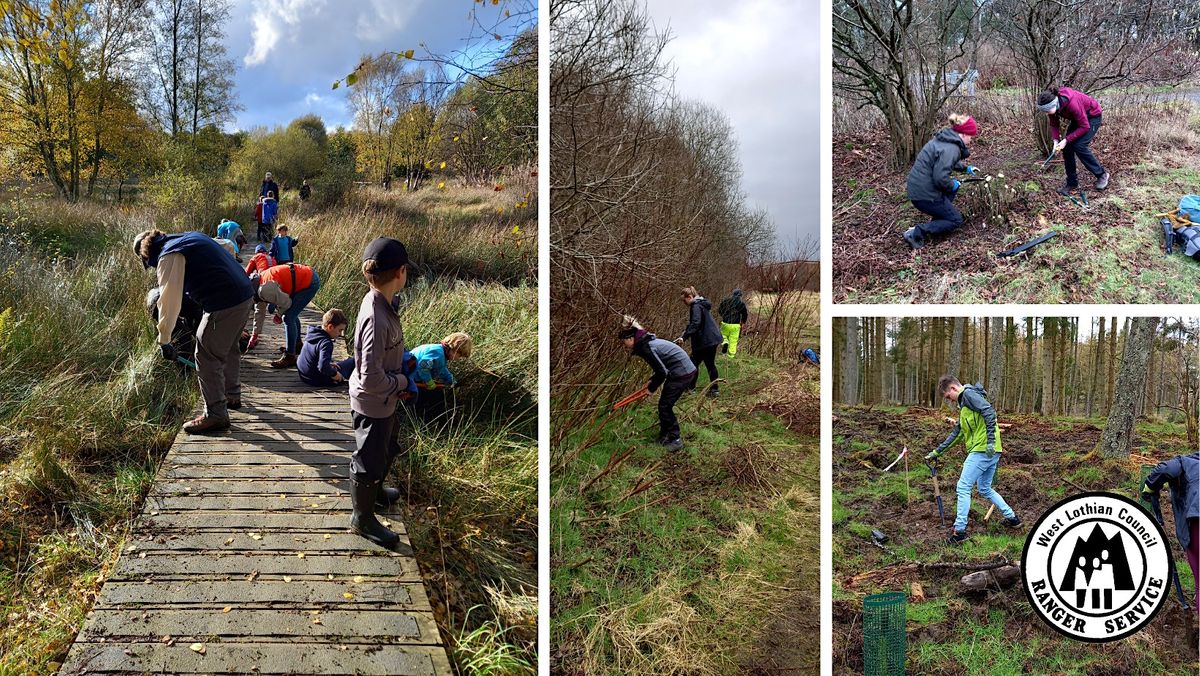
(289, 52)
(758, 61)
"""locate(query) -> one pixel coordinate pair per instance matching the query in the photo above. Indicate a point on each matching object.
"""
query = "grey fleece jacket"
(929, 179)
(977, 417)
(376, 383)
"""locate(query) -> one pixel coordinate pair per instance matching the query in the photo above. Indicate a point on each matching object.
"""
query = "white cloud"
(267, 24)
(386, 18)
(312, 98)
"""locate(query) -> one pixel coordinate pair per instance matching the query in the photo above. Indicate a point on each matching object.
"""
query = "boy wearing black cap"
(673, 370)
(376, 385)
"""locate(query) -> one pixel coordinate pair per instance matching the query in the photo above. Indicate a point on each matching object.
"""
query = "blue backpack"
(811, 356)
(1190, 206)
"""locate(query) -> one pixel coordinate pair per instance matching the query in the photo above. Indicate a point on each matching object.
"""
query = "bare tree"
(1117, 439)
(995, 383)
(894, 56)
(956, 341)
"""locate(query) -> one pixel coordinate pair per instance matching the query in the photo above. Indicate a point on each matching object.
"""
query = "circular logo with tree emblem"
(1097, 567)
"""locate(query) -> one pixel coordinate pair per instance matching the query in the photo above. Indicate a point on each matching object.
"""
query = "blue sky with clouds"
(758, 61)
(289, 52)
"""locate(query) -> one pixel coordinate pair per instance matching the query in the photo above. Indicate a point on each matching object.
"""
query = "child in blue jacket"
(315, 362)
(432, 368)
(283, 248)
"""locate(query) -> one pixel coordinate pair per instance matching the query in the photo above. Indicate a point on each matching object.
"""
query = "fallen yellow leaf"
(347, 596)
(198, 647)
(358, 578)
(287, 578)
(300, 555)
(227, 609)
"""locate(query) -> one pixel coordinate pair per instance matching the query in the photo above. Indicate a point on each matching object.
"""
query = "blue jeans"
(1082, 147)
(978, 470)
(946, 217)
(291, 318)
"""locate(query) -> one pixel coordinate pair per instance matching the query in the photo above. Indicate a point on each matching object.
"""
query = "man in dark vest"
(194, 264)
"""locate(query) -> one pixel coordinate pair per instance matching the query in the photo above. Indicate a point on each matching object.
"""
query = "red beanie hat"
(967, 127)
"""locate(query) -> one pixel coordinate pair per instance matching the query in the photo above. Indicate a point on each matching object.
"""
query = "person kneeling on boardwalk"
(704, 334)
(194, 263)
(673, 371)
(977, 428)
(931, 189)
(315, 362)
(376, 386)
(289, 288)
(1182, 474)
(733, 315)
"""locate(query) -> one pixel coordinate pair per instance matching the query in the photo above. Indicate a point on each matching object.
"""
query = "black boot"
(387, 496)
(362, 520)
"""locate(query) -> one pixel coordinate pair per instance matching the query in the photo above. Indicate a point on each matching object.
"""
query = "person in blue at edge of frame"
(1182, 474)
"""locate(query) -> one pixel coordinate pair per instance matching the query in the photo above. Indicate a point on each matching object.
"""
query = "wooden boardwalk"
(241, 560)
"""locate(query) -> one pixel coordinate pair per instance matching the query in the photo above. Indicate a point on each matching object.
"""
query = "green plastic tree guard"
(884, 638)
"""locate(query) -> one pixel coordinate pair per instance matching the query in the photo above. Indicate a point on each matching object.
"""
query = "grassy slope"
(950, 633)
(1110, 254)
(683, 585)
(70, 482)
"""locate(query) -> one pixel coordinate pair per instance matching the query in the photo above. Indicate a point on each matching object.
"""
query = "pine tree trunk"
(881, 358)
(1027, 388)
(995, 385)
(1112, 360)
(850, 363)
(1117, 439)
(1097, 362)
(956, 341)
(1049, 340)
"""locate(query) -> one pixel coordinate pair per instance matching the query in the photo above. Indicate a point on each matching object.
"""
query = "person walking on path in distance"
(1083, 116)
(704, 334)
(193, 263)
(269, 187)
(931, 188)
(981, 435)
(733, 316)
(673, 372)
(376, 386)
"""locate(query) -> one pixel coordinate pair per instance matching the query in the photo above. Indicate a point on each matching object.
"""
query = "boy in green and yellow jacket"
(980, 434)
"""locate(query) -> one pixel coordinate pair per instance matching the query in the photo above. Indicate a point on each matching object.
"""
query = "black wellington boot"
(362, 520)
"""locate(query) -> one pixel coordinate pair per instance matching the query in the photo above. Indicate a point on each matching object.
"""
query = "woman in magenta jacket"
(1082, 116)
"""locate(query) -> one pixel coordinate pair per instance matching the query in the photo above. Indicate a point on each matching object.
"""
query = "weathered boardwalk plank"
(242, 546)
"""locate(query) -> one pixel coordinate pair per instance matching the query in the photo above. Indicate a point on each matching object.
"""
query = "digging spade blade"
(1157, 511)
(937, 493)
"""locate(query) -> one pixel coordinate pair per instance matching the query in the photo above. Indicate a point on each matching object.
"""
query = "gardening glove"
(679, 340)
(933, 455)
(168, 351)
(955, 185)
(277, 319)
(1148, 493)
(1060, 145)
(972, 170)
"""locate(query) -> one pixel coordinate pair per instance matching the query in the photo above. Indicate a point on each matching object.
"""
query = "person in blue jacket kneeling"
(315, 363)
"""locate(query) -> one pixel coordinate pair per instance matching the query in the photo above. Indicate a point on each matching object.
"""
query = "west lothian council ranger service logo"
(1096, 567)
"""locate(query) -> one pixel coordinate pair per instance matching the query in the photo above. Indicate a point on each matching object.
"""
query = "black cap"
(388, 254)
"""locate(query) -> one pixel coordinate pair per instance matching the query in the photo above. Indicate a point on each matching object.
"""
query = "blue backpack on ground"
(811, 355)
(1190, 206)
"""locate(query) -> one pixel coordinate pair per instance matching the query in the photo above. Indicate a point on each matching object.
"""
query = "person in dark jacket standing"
(704, 334)
(673, 371)
(1083, 116)
(305, 191)
(193, 263)
(269, 187)
(733, 315)
(1182, 474)
(931, 188)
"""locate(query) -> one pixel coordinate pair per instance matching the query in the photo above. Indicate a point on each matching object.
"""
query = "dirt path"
(242, 547)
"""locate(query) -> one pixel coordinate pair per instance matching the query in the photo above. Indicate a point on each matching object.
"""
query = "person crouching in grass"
(315, 363)
(931, 188)
(376, 386)
(978, 430)
(432, 369)
(673, 371)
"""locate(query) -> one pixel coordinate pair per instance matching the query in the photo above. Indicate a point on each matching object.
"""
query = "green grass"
(681, 585)
(87, 409)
